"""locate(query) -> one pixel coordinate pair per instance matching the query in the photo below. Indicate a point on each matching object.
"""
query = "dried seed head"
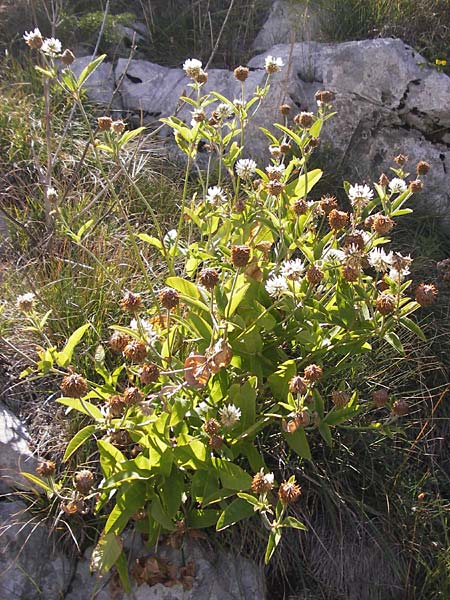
(241, 73)
(136, 351)
(312, 373)
(337, 219)
(422, 168)
(415, 186)
(240, 255)
(328, 203)
(426, 294)
(300, 207)
(285, 109)
(298, 385)
(196, 370)
(302, 418)
(340, 398)
(118, 126)
(119, 438)
(74, 385)
(25, 302)
(380, 397)
(216, 442)
(67, 57)
(84, 480)
(275, 187)
(314, 275)
(312, 143)
(382, 224)
(34, 39)
(115, 406)
(208, 278)
(169, 298)
(221, 356)
(354, 239)
(289, 492)
(132, 396)
(202, 77)
(285, 147)
(131, 302)
(140, 515)
(118, 341)
(324, 96)
(350, 273)
(148, 373)
(400, 159)
(304, 119)
(262, 483)
(46, 468)
(211, 427)
(384, 180)
(386, 303)
(400, 408)
(104, 123)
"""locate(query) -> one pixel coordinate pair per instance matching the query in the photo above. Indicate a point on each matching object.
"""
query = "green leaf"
(89, 69)
(251, 500)
(236, 299)
(200, 518)
(279, 381)
(78, 439)
(413, 327)
(64, 357)
(82, 406)
(292, 522)
(130, 498)
(231, 475)
(325, 432)
(299, 443)
(106, 553)
(122, 570)
(236, 511)
(393, 339)
(160, 515)
(306, 182)
(110, 457)
(129, 135)
(37, 481)
(148, 239)
(244, 397)
(272, 543)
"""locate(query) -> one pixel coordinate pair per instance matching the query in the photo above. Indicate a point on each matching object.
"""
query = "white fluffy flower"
(216, 195)
(292, 269)
(25, 303)
(276, 285)
(33, 38)
(147, 328)
(192, 67)
(275, 151)
(333, 255)
(272, 64)
(51, 47)
(360, 195)
(229, 415)
(245, 168)
(397, 185)
(379, 260)
(224, 111)
(398, 274)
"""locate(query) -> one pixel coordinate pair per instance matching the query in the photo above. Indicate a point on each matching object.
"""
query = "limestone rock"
(30, 567)
(15, 453)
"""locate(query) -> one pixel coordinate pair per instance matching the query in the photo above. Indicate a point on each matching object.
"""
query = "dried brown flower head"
(383, 180)
(221, 356)
(324, 96)
(131, 302)
(148, 373)
(313, 373)
(354, 239)
(285, 147)
(400, 408)
(135, 351)
(216, 442)
(422, 168)
(169, 298)
(304, 119)
(118, 126)
(74, 385)
(328, 204)
(275, 187)
(415, 186)
(300, 207)
(289, 492)
(382, 224)
(208, 278)
(314, 275)
(426, 294)
(196, 370)
(67, 57)
(351, 273)
(202, 77)
(262, 483)
(386, 303)
(132, 396)
(337, 219)
(84, 480)
(46, 468)
(118, 341)
(211, 426)
(340, 398)
(115, 406)
(285, 109)
(241, 73)
(380, 397)
(302, 418)
(400, 159)
(312, 143)
(240, 255)
(298, 385)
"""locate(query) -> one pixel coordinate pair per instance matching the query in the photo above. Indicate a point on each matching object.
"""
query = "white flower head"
(399, 274)
(245, 168)
(223, 111)
(33, 38)
(192, 67)
(238, 103)
(146, 328)
(272, 64)
(275, 151)
(379, 260)
(360, 195)
(216, 196)
(292, 269)
(25, 303)
(229, 415)
(276, 285)
(51, 47)
(333, 255)
(397, 186)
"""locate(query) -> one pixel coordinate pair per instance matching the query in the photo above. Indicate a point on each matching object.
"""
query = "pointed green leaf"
(89, 69)
(236, 511)
(64, 357)
(78, 439)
